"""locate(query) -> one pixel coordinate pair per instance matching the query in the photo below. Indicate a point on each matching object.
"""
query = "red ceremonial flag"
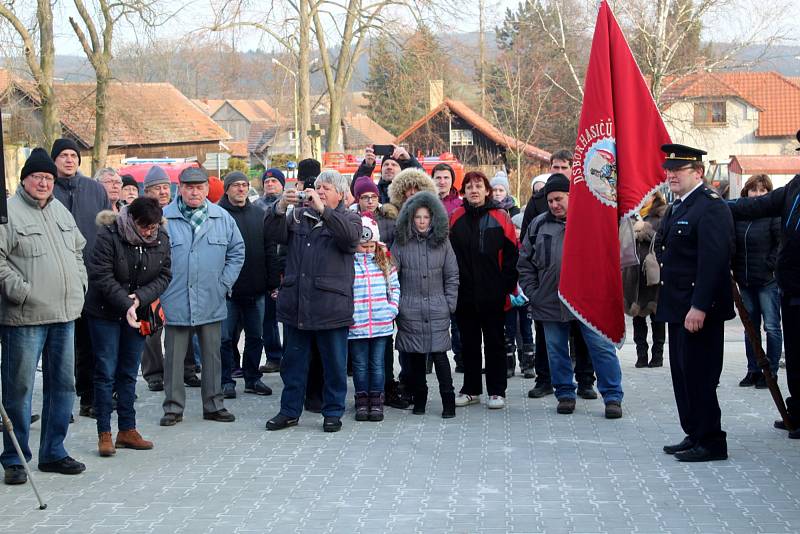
(616, 166)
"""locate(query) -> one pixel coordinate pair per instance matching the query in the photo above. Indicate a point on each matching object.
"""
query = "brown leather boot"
(131, 439)
(104, 444)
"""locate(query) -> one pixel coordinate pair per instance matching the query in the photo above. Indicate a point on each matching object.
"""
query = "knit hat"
(274, 173)
(307, 172)
(235, 176)
(38, 161)
(216, 189)
(128, 180)
(155, 176)
(556, 182)
(193, 175)
(364, 184)
(60, 145)
(369, 230)
(501, 179)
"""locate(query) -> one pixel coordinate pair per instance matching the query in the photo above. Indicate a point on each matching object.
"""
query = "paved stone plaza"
(521, 469)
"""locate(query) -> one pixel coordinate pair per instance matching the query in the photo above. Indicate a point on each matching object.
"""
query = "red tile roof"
(776, 97)
(479, 123)
(765, 164)
(253, 110)
(359, 131)
(237, 149)
(209, 106)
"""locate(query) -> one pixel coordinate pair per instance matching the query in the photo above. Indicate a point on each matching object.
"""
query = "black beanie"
(60, 145)
(128, 179)
(556, 182)
(38, 161)
(235, 176)
(307, 172)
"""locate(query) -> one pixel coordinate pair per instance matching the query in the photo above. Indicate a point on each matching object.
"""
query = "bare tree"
(40, 64)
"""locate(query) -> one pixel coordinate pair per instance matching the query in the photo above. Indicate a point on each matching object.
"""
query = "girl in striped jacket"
(376, 295)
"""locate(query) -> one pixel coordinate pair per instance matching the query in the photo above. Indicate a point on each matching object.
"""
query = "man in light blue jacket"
(207, 255)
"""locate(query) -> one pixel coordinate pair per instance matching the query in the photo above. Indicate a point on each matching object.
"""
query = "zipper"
(746, 261)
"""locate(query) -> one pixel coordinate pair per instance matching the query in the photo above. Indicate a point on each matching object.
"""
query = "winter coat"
(205, 265)
(485, 244)
(118, 269)
(756, 254)
(366, 169)
(317, 288)
(278, 250)
(428, 272)
(641, 299)
(260, 271)
(84, 198)
(386, 217)
(452, 201)
(375, 301)
(406, 179)
(535, 207)
(42, 272)
(540, 267)
(783, 202)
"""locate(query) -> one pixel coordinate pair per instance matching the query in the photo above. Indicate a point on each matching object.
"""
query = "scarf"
(195, 216)
(507, 203)
(128, 231)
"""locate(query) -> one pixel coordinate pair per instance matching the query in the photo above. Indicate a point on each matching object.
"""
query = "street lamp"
(296, 132)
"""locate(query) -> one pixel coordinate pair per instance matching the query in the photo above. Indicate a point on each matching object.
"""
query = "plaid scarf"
(195, 216)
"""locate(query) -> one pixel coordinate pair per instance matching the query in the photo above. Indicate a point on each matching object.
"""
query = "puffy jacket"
(485, 244)
(540, 267)
(756, 254)
(42, 273)
(118, 268)
(84, 198)
(428, 278)
(205, 265)
(317, 288)
(375, 302)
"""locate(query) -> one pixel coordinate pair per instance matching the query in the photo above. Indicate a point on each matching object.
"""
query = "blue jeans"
(22, 346)
(250, 314)
(270, 333)
(764, 302)
(367, 355)
(601, 351)
(332, 345)
(117, 353)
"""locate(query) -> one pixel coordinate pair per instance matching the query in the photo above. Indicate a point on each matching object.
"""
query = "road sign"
(216, 161)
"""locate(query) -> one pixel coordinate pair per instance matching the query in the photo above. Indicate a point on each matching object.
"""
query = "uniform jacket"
(783, 202)
(539, 267)
(694, 245)
(317, 288)
(205, 265)
(641, 299)
(485, 244)
(428, 278)
(118, 268)
(84, 198)
(756, 255)
(375, 301)
(42, 273)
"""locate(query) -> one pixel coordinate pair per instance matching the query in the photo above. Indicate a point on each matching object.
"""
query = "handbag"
(652, 271)
(153, 319)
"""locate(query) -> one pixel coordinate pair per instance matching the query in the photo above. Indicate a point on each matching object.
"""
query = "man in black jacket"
(245, 305)
(784, 202)
(399, 160)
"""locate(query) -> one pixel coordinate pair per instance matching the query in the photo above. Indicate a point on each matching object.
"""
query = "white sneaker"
(462, 399)
(495, 402)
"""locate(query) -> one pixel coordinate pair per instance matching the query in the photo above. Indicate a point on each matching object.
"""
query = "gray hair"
(105, 171)
(330, 176)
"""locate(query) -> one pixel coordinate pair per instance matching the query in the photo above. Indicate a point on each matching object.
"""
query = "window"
(292, 135)
(461, 137)
(710, 113)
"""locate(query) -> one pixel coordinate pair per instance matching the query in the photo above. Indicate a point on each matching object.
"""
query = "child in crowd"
(376, 295)
(519, 315)
(429, 284)
(501, 193)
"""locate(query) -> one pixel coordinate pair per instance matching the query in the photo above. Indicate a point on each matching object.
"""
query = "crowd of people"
(98, 280)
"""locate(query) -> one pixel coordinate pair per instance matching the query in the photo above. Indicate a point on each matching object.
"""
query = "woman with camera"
(129, 268)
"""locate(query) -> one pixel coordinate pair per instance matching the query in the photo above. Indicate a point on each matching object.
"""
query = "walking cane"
(761, 358)
(10, 429)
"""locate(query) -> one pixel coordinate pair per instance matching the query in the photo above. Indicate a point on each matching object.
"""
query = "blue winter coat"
(204, 266)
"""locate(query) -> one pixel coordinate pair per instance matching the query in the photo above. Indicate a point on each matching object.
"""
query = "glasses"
(42, 178)
(112, 182)
(369, 198)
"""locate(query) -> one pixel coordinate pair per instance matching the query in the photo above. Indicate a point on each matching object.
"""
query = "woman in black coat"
(129, 268)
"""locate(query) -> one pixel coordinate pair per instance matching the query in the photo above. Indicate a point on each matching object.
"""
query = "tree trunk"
(100, 148)
(335, 122)
(51, 126)
(482, 55)
(304, 77)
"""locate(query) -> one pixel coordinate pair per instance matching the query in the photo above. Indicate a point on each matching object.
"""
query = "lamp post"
(296, 130)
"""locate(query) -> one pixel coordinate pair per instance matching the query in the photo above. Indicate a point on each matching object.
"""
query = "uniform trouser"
(791, 343)
(84, 362)
(696, 364)
(471, 324)
(176, 341)
(584, 371)
(153, 359)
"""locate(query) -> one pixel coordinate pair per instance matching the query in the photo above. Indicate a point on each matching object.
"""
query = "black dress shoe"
(156, 384)
(332, 424)
(171, 419)
(87, 410)
(280, 421)
(222, 416)
(64, 466)
(794, 434)
(15, 474)
(35, 417)
(684, 445)
(192, 381)
(541, 390)
(587, 392)
(698, 453)
(780, 425)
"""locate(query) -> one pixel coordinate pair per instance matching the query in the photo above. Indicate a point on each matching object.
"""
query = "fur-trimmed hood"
(440, 224)
(388, 210)
(105, 218)
(411, 177)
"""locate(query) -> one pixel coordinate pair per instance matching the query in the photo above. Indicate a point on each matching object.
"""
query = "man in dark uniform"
(784, 202)
(694, 246)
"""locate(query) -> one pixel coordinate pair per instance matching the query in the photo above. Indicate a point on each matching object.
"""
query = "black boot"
(526, 356)
(448, 405)
(420, 400)
(657, 361)
(428, 364)
(375, 406)
(641, 358)
(394, 398)
(511, 348)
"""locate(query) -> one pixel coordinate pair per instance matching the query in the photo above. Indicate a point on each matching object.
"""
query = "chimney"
(436, 92)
